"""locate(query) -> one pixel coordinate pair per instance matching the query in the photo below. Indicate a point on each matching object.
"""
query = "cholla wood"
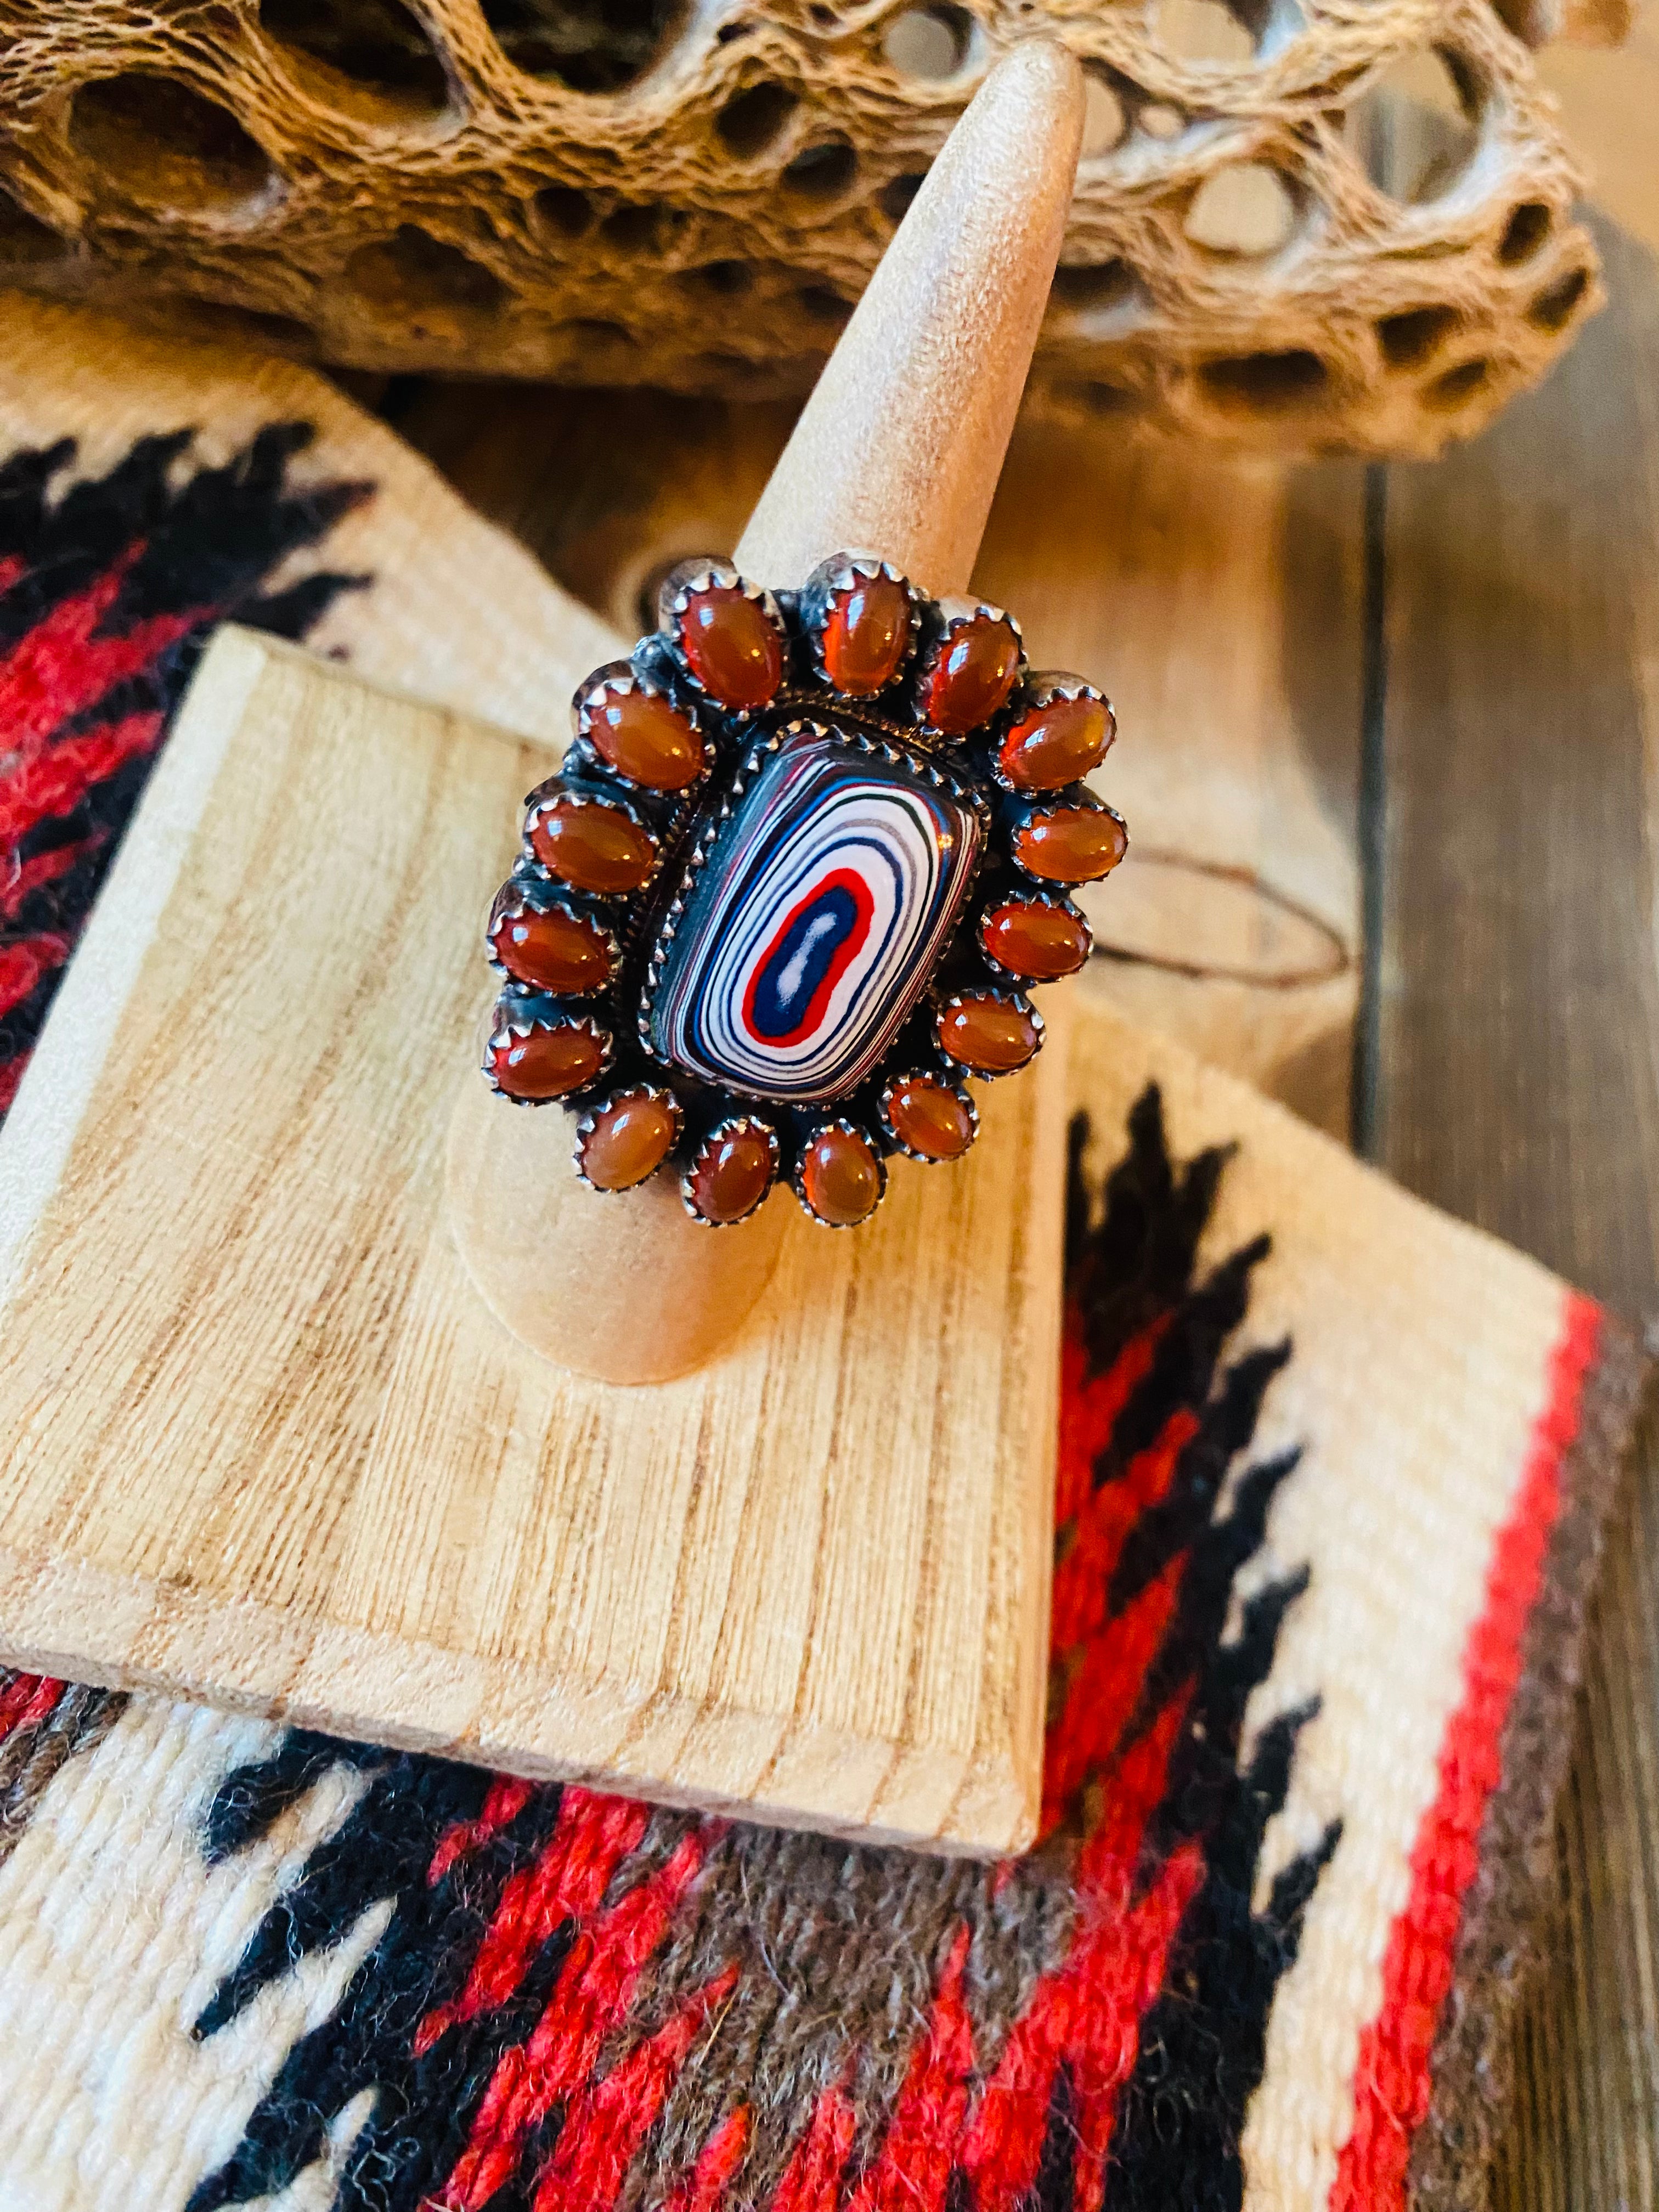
(693, 197)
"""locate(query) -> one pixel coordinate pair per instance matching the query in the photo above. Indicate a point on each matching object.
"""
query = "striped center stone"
(815, 923)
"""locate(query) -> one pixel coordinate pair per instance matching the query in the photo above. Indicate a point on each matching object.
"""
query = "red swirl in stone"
(644, 737)
(1055, 743)
(866, 635)
(989, 1033)
(547, 1062)
(1035, 938)
(840, 1176)
(731, 646)
(569, 953)
(631, 1136)
(732, 1172)
(1071, 844)
(972, 673)
(594, 848)
(929, 1116)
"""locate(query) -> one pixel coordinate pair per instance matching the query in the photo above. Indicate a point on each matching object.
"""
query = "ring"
(807, 855)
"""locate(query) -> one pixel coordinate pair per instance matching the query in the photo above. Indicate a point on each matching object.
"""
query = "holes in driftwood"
(1524, 233)
(726, 280)
(1099, 395)
(1203, 31)
(931, 43)
(565, 209)
(1245, 208)
(1093, 287)
(1409, 338)
(1104, 120)
(824, 305)
(756, 119)
(1457, 385)
(591, 45)
(1550, 310)
(1418, 124)
(1266, 383)
(166, 146)
(411, 271)
(822, 172)
(895, 195)
(640, 227)
(25, 240)
(379, 62)
(594, 333)
(1159, 120)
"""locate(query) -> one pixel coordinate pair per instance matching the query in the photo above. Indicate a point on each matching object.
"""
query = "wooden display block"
(262, 1443)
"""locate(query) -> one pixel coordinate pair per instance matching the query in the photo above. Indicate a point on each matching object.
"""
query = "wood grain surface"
(810, 1582)
(1516, 1073)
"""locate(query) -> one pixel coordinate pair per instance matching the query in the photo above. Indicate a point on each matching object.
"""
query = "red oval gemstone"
(972, 674)
(988, 1034)
(731, 646)
(594, 848)
(732, 1174)
(645, 737)
(931, 1117)
(867, 634)
(556, 951)
(840, 1177)
(630, 1138)
(549, 1063)
(1031, 940)
(1071, 845)
(1054, 746)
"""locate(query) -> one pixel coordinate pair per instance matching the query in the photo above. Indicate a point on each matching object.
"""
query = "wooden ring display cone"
(897, 453)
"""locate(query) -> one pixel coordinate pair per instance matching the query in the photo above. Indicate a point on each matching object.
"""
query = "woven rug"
(1333, 1473)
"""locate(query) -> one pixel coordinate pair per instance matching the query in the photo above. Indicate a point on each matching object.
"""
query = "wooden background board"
(1517, 1069)
(1398, 729)
(808, 1583)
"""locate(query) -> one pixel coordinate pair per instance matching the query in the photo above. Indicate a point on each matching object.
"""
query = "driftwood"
(616, 191)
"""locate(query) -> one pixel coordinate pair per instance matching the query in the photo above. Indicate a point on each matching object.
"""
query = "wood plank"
(1518, 1067)
(261, 1442)
(1518, 1078)
(1221, 601)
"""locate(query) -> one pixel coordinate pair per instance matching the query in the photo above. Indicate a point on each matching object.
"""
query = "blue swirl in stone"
(813, 927)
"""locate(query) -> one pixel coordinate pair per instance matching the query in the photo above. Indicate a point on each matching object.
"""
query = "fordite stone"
(566, 953)
(732, 1172)
(866, 635)
(1040, 940)
(643, 736)
(970, 675)
(1071, 844)
(731, 646)
(840, 1177)
(1056, 742)
(594, 848)
(988, 1033)
(929, 1117)
(549, 1061)
(813, 926)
